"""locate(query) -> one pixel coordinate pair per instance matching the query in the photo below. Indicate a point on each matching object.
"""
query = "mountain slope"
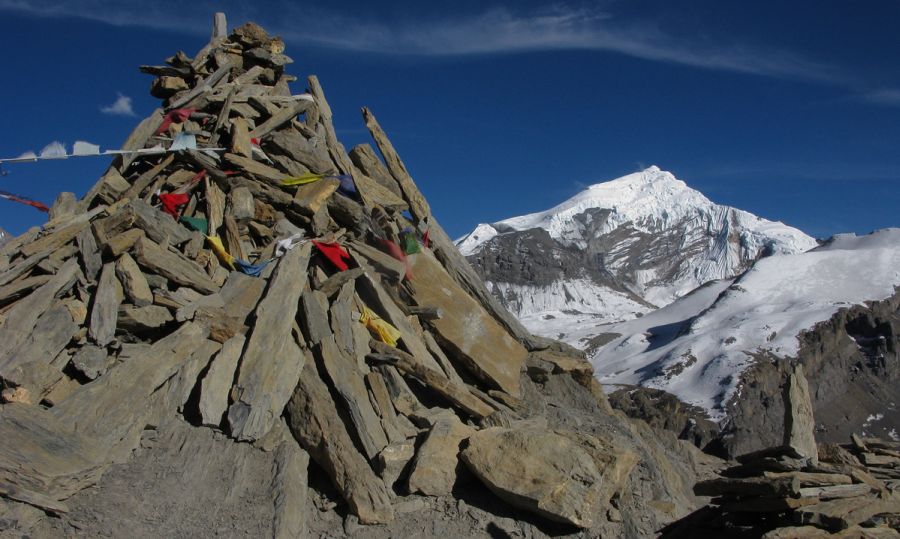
(697, 347)
(618, 250)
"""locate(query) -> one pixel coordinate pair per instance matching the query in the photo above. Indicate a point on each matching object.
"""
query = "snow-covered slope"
(633, 244)
(697, 347)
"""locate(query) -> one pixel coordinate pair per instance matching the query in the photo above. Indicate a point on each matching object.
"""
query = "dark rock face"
(694, 248)
(852, 364)
(664, 411)
(533, 258)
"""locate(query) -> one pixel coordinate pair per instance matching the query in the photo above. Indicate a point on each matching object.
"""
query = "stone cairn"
(264, 282)
(800, 489)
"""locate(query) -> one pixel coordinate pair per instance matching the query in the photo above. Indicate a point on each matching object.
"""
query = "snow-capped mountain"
(617, 250)
(697, 347)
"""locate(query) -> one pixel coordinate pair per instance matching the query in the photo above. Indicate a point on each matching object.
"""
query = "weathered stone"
(466, 331)
(120, 243)
(314, 306)
(18, 289)
(537, 470)
(105, 309)
(832, 492)
(90, 361)
(437, 466)
(215, 206)
(133, 281)
(289, 486)
(165, 86)
(89, 253)
(241, 204)
(256, 169)
(172, 266)
(286, 114)
(217, 382)
(264, 386)
(310, 198)
(842, 513)
(799, 424)
(749, 486)
(363, 156)
(292, 144)
(314, 422)
(64, 205)
(809, 479)
(240, 138)
(20, 320)
(96, 410)
(54, 240)
(393, 459)
(381, 261)
(457, 394)
(349, 384)
(140, 319)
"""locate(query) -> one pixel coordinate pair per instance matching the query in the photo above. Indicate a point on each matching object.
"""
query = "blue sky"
(790, 110)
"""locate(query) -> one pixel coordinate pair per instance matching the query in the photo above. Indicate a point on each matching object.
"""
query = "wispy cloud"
(120, 107)
(887, 97)
(495, 30)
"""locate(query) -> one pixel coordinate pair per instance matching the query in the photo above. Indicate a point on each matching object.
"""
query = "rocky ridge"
(251, 336)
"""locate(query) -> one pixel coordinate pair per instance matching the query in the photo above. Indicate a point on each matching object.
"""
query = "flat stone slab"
(467, 332)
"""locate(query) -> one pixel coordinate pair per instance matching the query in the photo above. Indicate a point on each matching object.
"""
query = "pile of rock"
(244, 271)
(799, 489)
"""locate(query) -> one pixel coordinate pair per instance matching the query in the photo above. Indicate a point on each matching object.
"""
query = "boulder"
(437, 465)
(537, 470)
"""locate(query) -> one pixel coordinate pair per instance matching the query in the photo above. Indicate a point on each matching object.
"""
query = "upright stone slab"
(272, 362)
(436, 467)
(466, 331)
(105, 309)
(314, 422)
(799, 423)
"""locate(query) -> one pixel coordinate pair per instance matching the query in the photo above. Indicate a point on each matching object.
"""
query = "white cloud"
(491, 31)
(120, 107)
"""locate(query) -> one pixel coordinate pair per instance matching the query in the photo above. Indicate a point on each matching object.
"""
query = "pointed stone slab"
(335, 148)
(799, 423)
(436, 466)
(466, 331)
(348, 382)
(172, 266)
(133, 281)
(217, 382)
(314, 305)
(418, 206)
(314, 422)
(105, 308)
(363, 156)
(89, 253)
(270, 367)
